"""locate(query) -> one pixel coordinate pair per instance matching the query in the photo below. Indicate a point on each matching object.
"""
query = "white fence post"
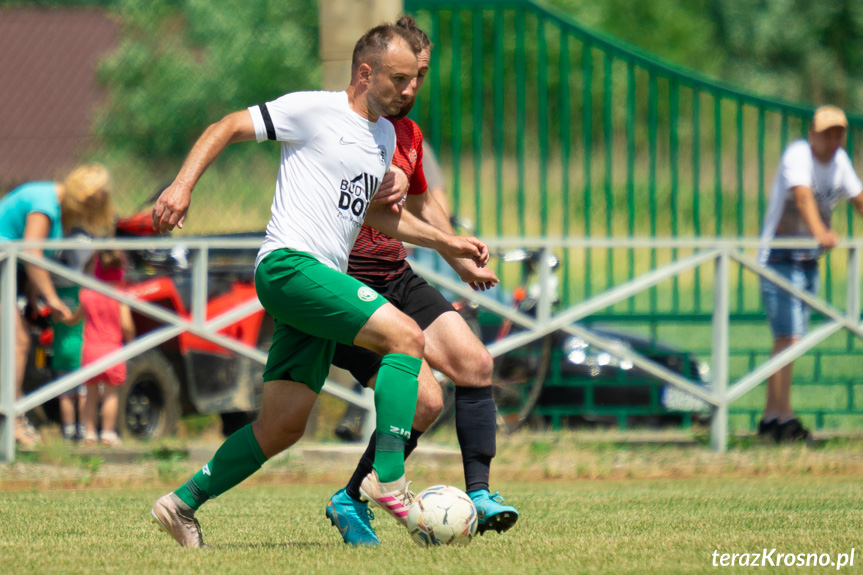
(719, 367)
(852, 300)
(7, 354)
(200, 267)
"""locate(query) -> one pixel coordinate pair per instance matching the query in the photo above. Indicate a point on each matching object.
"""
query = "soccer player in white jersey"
(812, 178)
(451, 347)
(336, 151)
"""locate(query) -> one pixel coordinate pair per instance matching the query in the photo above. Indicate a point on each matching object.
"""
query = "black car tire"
(149, 401)
(516, 400)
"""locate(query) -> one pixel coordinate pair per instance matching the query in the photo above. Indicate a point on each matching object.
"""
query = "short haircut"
(371, 47)
(410, 24)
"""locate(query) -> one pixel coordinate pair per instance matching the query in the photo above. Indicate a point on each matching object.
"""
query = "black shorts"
(410, 294)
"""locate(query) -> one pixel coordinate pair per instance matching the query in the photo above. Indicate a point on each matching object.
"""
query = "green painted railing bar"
(849, 146)
(673, 143)
(478, 76)
(542, 121)
(717, 162)
(696, 183)
(498, 83)
(762, 198)
(740, 199)
(436, 111)
(608, 142)
(455, 116)
(630, 168)
(565, 135)
(520, 110)
(587, 145)
(849, 209)
(652, 111)
(783, 131)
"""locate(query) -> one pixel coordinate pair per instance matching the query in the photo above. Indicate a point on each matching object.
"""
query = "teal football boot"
(352, 519)
(491, 512)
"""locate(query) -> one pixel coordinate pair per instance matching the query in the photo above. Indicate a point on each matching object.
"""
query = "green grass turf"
(668, 526)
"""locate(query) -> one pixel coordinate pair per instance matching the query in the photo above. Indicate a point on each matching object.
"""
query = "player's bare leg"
(452, 348)
(285, 409)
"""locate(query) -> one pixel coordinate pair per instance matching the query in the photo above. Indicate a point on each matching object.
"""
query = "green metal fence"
(553, 129)
(550, 129)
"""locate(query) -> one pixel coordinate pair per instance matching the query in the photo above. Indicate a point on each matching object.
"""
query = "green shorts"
(314, 307)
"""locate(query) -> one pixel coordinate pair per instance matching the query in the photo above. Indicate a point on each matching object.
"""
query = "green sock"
(238, 458)
(395, 403)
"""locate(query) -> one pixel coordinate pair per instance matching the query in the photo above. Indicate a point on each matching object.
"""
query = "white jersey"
(829, 182)
(333, 161)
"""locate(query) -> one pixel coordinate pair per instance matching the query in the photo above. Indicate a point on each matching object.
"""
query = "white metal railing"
(720, 394)
(13, 252)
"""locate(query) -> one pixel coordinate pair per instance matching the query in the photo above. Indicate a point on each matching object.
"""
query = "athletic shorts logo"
(367, 294)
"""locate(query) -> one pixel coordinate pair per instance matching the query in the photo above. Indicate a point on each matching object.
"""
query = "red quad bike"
(186, 374)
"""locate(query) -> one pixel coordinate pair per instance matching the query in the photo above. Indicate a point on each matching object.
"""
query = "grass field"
(669, 526)
(590, 502)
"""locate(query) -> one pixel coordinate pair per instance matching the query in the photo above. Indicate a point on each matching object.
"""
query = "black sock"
(411, 443)
(476, 428)
(364, 467)
(367, 461)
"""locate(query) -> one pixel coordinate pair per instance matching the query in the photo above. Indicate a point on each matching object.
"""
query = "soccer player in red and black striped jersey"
(450, 346)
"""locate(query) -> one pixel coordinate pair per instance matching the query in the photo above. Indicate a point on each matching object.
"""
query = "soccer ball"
(442, 515)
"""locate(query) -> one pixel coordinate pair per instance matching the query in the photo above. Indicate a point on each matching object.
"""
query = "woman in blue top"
(39, 211)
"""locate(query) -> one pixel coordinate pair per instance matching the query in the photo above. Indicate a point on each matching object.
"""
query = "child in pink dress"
(107, 325)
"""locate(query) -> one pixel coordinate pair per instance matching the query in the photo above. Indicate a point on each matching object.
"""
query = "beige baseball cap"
(828, 117)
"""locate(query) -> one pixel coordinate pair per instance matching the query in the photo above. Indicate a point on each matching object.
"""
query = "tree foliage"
(182, 64)
(677, 30)
(794, 50)
(808, 51)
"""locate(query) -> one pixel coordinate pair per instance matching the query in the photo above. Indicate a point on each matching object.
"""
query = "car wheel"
(149, 403)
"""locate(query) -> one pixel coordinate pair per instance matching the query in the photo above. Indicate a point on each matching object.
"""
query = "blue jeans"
(787, 315)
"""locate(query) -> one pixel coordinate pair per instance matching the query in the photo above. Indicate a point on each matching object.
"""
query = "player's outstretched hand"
(171, 207)
(393, 188)
(479, 278)
(466, 246)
